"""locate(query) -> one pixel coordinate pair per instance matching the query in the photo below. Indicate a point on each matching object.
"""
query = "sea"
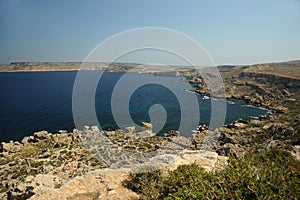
(35, 101)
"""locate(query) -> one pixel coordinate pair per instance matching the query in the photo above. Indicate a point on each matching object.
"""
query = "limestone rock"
(296, 152)
(130, 130)
(41, 134)
(239, 125)
(95, 129)
(226, 138)
(279, 129)
(10, 146)
(100, 184)
(275, 144)
(286, 93)
(210, 161)
(145, 134)
(86, 128)
(235, 150)
(109, 133)
(147, 125)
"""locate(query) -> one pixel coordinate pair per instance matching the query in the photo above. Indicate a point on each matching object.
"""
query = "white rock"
(95, 129)
(239, 125)
(86, 128)
(41, 134)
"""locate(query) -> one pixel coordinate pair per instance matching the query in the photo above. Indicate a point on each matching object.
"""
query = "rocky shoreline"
(275, 91)
(68, 166)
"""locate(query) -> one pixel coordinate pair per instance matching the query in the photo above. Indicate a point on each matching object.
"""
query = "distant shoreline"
(287, 70)
(54, 70)
(92, 66)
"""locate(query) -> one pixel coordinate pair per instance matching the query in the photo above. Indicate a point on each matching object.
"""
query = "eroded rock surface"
(91, 164)
(109, 183)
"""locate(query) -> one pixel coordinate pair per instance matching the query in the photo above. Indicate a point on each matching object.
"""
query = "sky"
(232, 31)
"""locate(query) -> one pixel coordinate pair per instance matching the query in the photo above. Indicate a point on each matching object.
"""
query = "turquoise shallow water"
(34, 101)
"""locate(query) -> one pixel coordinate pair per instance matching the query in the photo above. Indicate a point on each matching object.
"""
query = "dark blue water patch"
(155, 94)
(34, 101)
(103, 100)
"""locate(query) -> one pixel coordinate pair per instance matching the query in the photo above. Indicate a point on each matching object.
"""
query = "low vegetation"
(273, 174)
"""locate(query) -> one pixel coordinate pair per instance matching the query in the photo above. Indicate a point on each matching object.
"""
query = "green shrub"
(188, 182)
(148, 182)
(268, 175)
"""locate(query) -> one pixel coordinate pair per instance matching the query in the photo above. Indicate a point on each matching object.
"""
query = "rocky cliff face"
(274, 86)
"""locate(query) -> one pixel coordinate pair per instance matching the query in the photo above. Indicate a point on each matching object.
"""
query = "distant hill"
(289, 70)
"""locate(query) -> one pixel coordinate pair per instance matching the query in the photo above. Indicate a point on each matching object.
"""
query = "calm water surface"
(34, 101)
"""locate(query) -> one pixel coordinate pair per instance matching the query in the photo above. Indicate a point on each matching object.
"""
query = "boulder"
(260, 99)
(110, 133)
(235, 150)
(145, 134)
(239, 125)
(244, 121)
(130, 130)
(95, 129)
(255, 121)
(226, 138)
(100, 184)
(209, 160)
(286, 93)
(291, 100)
(29, 139)
(296, 152)
(275, 144)
(267, 126)
(41, 134)
(281, 109)
(86, 128)
(172, 133)
(10, 147)
(279, 129)
(147, 125)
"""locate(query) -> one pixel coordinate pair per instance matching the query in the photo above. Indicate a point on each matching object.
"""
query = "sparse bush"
(268, 175)
(148, 182)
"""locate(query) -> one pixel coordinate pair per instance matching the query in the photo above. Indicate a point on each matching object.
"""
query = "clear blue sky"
(232, 31)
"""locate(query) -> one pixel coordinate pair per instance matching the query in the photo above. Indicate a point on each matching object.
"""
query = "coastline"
(45, 162)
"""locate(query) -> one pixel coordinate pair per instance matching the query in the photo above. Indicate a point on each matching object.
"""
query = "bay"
(34, 101)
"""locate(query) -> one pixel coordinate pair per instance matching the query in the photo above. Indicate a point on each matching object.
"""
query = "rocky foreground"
(67, 166)
(70, 166)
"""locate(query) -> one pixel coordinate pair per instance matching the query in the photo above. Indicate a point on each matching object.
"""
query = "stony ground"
(43, 160)
(74, 165)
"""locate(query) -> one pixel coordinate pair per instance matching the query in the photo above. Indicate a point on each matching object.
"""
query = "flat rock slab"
(100, 184)
(109, 183)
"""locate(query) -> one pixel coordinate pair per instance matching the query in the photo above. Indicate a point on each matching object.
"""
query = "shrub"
(268, 175)
(148, 182)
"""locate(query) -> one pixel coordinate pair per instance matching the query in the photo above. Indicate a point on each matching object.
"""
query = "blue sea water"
(34, 101)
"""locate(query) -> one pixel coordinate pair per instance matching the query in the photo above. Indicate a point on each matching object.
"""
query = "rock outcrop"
(100, 184)
(65, 166)
(41, 162)
(109, 183)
